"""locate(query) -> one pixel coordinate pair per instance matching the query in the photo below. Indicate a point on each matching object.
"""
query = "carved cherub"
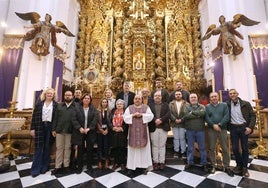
(42, 32)
(227, 40)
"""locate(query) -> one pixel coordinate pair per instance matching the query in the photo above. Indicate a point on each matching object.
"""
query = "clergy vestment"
(139, 148)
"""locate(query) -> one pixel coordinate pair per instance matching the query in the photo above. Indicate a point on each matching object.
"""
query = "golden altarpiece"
(138, 41)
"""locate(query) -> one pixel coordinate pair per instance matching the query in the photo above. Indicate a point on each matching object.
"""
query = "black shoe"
(78, 171)
(237, 170)
(213, 170)
(183, 156)
(245, 172)
(35, 175)
(187, 166)
(66, 170)
(229, 172)
(205, 168)
(89, 168)
(176, 155)
(130, 172)
(43, 171)
(55, 171)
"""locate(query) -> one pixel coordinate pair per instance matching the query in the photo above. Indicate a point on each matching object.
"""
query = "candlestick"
(15, 89)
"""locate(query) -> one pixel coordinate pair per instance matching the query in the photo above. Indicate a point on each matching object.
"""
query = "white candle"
(15, 89)
(255, 87)
(57, 85)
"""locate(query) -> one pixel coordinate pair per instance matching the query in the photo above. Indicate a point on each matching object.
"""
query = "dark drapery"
(218, 70)
(9, 67)
(58, 72)
(259, 49)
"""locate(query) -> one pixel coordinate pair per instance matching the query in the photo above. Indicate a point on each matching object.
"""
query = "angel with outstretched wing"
(227, 40)
(43, 32)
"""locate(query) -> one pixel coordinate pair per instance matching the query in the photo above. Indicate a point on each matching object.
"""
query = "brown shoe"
(123, 167)
(115, 166)
(106, 164)
(162, 166)
(99, 165)
(155, 166)
(245, 172)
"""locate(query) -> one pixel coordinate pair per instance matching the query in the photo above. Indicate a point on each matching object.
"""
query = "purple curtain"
(9, 69)
(259, 51)
(260, 66)
(58, 72)
(218, 69)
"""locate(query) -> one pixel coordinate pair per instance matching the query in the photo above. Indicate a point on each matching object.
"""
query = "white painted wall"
(37, 74)
(238, 73)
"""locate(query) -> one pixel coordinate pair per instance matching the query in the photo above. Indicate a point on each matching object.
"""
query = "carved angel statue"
(42, 32)
(227, 40)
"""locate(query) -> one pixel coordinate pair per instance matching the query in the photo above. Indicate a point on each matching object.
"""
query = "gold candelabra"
(8, 149)
(260, 150)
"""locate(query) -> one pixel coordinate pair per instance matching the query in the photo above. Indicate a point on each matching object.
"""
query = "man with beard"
(177, 107)
(62, 130)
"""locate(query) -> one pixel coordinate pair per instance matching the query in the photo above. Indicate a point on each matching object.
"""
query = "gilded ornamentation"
(139, 41)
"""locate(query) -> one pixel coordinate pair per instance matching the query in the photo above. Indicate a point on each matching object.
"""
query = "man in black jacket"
(159, 128)
(126, 95)
(242, 123)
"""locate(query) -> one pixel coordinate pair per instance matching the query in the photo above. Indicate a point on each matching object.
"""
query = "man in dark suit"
(126, 95)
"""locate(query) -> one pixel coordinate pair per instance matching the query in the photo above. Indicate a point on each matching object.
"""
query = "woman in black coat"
(41, 127)
(84, 136)
(119, 136)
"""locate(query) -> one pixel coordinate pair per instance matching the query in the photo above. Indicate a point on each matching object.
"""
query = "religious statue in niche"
(227, 40)
(98, 59)
(138, 61)
(43, 32)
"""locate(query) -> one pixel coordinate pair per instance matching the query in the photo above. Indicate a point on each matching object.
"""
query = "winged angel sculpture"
(43, 32)
(227, 40)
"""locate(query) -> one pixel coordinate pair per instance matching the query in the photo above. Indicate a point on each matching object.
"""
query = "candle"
(15, 89)
(255, 87)
(57, 85)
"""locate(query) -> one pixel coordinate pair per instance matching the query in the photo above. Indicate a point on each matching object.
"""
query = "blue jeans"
(198, 136)
(179, 139)
(41, 156)
(238, 133)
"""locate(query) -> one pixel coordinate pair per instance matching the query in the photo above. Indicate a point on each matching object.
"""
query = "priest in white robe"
(137, 116)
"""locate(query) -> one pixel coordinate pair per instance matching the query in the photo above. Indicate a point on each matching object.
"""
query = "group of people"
(135, 128)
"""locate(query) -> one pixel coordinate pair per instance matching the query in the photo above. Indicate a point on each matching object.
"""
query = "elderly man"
(194, 117)
(146, 99)
(137, 116)
(159, 128)
(242, 123)
(217, 117)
